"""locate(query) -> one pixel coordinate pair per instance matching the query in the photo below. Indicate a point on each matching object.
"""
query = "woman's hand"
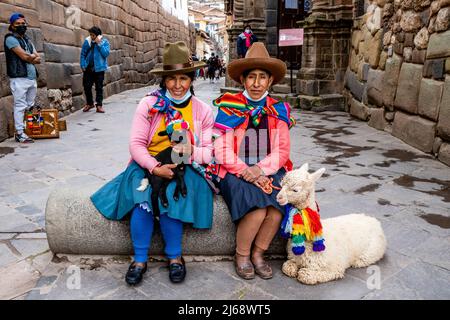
(251, 174)
(262, 182)
(164, 171)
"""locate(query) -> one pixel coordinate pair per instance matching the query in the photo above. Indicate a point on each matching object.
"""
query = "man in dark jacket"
(21, 56)
(212, 67)
(245, 40)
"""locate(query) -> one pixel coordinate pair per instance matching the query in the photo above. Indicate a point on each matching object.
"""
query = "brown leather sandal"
(87, 107)
(100, 109)
(264, 270)
(244, 270)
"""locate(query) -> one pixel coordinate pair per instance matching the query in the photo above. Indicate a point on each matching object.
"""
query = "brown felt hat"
(257, 57)
(177, 59)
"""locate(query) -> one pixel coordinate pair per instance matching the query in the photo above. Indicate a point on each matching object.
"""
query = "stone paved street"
(368, 171)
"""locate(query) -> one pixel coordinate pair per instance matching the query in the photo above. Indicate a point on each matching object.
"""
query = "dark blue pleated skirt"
(243, 197)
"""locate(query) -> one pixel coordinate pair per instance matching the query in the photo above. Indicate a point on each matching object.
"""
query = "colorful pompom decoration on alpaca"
(301, 226)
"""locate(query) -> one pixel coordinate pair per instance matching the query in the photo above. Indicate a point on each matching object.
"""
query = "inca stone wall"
(136, 29)
(399, 74)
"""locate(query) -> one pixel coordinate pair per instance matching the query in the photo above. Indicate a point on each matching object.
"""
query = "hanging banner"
(290, 37)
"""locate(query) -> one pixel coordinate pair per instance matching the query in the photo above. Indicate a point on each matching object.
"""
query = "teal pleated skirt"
(117, 198)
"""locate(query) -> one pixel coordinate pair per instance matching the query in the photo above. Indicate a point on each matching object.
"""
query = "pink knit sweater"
(143, 128)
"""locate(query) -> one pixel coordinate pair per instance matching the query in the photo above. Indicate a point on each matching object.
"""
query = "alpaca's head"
(298, 186)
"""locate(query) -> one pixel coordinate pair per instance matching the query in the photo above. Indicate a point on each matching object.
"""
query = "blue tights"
(142, 230)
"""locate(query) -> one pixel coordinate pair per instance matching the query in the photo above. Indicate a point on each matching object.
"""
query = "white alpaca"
(353, 240)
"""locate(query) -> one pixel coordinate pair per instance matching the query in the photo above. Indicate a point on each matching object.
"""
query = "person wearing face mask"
(245, 40)
(174, 100)
(21, 58)
(94, 63)
(252, 149)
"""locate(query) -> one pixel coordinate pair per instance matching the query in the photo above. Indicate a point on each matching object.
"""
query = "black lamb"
(159, 184)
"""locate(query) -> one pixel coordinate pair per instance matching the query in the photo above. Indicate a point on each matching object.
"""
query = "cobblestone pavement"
(367, 171)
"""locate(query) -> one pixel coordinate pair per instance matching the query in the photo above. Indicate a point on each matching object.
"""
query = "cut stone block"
(374, 49)
(282, 88)
(375, 87)
(58, 76)
(61, 53)
(408, 87)
(429, 98)
(377, 119)
(359, 110)
(438, 47)
(444, 153)
(444, 112)
(438, 69)
(353, 84)
(326, 102)
(390, 81)
(77, 84)
(414, 130)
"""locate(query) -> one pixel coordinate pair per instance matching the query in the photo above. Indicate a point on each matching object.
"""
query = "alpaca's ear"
(304, 168)
(316, 175)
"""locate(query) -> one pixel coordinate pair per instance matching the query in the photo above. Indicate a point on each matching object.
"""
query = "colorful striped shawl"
(234, 109)
(164, 105)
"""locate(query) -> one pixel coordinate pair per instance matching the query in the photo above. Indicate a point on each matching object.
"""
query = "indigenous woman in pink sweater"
(252, 152)
(174, 101)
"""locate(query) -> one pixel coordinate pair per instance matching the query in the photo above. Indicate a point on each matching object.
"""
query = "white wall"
(179, 10)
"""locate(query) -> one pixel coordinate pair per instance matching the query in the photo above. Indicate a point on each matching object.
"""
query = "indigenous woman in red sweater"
(252, 150)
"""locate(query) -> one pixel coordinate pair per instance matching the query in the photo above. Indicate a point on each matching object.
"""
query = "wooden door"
(289, 12)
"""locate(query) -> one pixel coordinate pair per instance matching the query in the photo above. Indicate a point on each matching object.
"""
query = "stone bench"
(74, 226)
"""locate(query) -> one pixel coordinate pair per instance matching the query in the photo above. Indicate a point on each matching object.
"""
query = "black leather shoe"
(135, 273)
(177, 271)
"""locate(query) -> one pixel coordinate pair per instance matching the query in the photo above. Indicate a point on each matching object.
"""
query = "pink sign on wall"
(290, 37)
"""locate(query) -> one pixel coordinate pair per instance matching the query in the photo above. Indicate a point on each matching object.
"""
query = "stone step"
(287, 81)
(279, 96)
(289, 98)
(326, 102)
(287, 78)
(294, 73)
(282, 88)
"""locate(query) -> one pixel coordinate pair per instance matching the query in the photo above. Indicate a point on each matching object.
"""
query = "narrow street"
(368, 171)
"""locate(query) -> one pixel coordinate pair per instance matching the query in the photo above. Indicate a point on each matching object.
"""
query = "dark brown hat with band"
(177, 59)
